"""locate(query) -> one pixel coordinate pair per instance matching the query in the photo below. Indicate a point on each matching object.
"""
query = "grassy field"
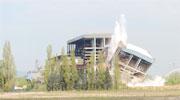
(124, 94)
(94, 98)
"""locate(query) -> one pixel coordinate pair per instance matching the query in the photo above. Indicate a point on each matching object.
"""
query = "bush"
(30, 85)
(173, 79)
(39, 87)
(21, 81)
(55, 82)
(9, 86)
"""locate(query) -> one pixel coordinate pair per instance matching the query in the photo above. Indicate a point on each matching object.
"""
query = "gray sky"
(30, 25)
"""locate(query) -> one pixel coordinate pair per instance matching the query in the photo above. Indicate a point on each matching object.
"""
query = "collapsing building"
(133, 61)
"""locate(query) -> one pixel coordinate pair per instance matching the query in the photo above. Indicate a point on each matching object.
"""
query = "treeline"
(62, 73)
(7, 69)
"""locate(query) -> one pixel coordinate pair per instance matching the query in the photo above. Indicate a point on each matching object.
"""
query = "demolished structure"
(133, 61)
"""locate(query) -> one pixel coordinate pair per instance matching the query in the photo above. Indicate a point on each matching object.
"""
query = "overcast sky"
(30, 25)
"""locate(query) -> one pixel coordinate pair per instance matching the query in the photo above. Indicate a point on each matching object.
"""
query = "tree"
(48, 65)
(91, 73)
(8, 67)
(1, 74)
(108, 80)
(74, 77)
(117, 75)
(52, 73)
(65, 70)
(101, 72)
(54, 82)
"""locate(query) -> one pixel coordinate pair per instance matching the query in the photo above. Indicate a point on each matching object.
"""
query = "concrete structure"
(85, 45)
(134, 61)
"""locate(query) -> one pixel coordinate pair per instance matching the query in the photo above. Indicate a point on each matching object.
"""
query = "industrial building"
(87, 44)
(134, 61)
